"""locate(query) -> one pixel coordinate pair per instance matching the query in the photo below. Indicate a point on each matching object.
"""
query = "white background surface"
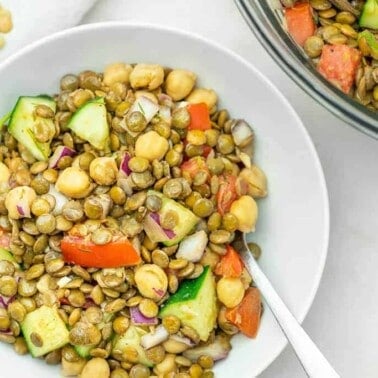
(343, 319)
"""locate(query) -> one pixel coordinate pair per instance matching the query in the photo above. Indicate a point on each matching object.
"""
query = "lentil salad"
(120, 198)
(340, 37)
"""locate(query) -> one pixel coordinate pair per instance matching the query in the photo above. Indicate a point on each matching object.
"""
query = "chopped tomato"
(199, 117)
(246, 316)
(192, 166)
(206, 150)
(230, 265)
(4, 239)
(226, 194)
(339, 64)
(115, 254)
(300, 22)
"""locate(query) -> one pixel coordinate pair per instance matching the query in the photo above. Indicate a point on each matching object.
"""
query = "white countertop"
(343, 319)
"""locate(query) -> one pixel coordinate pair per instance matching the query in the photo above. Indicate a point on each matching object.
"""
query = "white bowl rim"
(299, 124)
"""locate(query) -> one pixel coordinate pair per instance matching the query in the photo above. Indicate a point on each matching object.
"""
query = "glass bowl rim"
(262, 20)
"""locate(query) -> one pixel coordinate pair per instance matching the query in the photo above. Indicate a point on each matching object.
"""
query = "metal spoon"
(312, 360)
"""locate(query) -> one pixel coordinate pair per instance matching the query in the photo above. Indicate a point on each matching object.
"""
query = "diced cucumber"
(83, 350)
(6, 255)
(132, 338)
(23, 120)
(186, 220)
(45, 327)
(90, 123)
(370, 43)
(369, 15)
(194, 303)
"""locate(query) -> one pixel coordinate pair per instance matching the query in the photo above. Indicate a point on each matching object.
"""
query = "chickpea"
(18, 202)
(246, 211)
(166, 366)
(74, 182)
(96, 368)
(151, 146)
(230, 291)
(72, 368)
(6, 23)
(103, 170)
(256, 179)
(179, 84)
(151, 281)
(117, 73)
(149, 76)
(208, 96)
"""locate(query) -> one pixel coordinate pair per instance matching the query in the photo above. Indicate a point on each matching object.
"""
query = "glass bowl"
(265, 18)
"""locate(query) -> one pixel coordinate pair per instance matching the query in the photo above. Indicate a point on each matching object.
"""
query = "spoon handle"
(312, 360)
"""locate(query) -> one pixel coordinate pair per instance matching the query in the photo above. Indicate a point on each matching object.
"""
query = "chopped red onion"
(60, 200)
(193, 246)
(89, 302)
(165, 114)
(135, 242)
(154, 338)
(59, 153)
(126, 183)
(2, 303)
(159, 292)
(124, 167)
(170, 233)
(165, 100)
(153, 230)
(241, 186)
(218, 350)
(242, 133)
(182, 104)
(146, 107)
(139, 319)
(156, 217)
(5, 301)
(182, 339)
(124, 180)
(20, 210)
(23, 208)
(7, 332)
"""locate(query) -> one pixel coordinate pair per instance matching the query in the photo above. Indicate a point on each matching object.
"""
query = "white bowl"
(294, 219)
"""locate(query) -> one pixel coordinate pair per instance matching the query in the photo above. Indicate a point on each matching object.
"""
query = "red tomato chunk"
(300, 22)
(339, 64)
